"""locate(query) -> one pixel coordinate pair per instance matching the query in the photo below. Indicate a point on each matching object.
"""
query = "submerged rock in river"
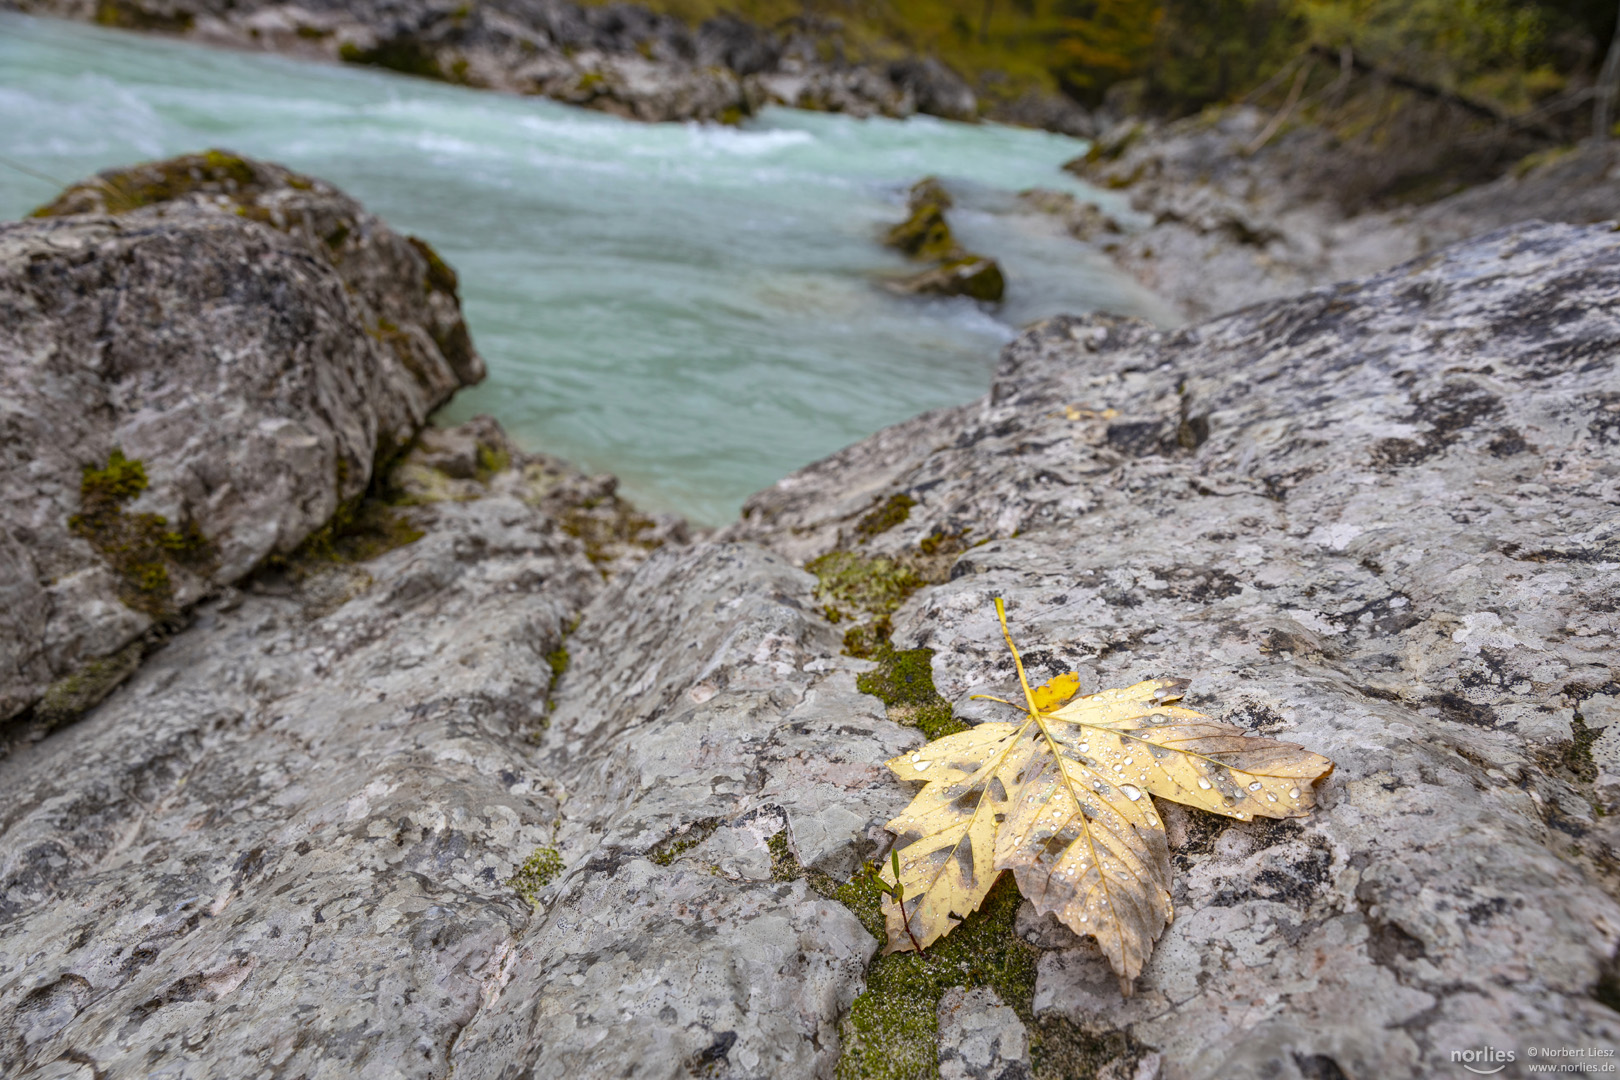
(973, 276)
(925, 234)
(202, 360)
(479, 797)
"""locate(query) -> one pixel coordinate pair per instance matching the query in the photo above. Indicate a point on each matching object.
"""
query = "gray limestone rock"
(980, 1038)
(706, 710)
(382, 817)
(1376, 519)
(283, 846)
(1224, 224)
(253, 339)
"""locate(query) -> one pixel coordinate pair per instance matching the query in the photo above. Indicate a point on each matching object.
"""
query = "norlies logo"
(1485, 1061)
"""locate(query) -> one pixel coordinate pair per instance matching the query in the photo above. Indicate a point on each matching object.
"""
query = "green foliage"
(1101, 42)
(537, 871)
(1208, 51)
(1181, 55)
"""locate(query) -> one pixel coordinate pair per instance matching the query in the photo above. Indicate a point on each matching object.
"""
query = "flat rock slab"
(1377, 519)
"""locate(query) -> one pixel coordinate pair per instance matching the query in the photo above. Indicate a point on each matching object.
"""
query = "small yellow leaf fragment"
(1081, 412)
(1054, 692)
(1060, 800)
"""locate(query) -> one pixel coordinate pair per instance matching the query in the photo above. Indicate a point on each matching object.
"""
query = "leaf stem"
(1018, 662)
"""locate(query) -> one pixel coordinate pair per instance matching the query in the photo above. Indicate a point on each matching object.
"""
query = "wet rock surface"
(201, 359)
(926, 235)
(534, 785)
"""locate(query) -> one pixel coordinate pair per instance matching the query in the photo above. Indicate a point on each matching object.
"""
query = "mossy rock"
(537, 871)
(929, 192)
(925, 234)
(69, 698)
(892, 1029)
(403, 54)
(973, 276)
(216, 172)
(141, 548)
(875, 585)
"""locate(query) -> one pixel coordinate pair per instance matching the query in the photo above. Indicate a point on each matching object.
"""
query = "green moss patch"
(892, 1030)
(866, 590)
(141, 548)
(363, 528)
(537, 871)
(904, 681)
(891, 512)
(672, 847)
(68, 699)
(439, 277)
(859, 583)
(118, 191)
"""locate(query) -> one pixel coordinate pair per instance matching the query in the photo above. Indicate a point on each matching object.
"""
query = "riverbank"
(1237, 212)
(485, 771)
(621, 59)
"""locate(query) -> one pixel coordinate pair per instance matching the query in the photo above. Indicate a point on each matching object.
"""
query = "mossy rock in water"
(970, 275)
(925, 234)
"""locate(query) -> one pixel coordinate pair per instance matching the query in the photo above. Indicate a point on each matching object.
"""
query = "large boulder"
(201, 360)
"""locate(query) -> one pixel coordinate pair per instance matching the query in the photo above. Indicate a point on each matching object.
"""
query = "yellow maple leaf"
(1060, 799)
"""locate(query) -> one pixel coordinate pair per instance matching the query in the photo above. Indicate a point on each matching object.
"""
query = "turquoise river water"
(698, 309)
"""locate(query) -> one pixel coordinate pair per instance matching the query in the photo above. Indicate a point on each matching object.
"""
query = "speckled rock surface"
(253, 338)
(711, 711)
(1376, 519)
(283, 847)
(980, 1038)
(1228, 224)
